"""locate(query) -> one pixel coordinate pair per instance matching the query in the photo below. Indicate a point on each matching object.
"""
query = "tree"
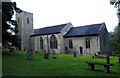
(115, 40)
(116, 4)
(115, 36)
(9, 26)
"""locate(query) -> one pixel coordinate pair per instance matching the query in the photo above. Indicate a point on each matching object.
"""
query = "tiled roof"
(83, 30)
(49, 30)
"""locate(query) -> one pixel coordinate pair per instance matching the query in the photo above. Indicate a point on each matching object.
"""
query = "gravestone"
(29, 55)
(54, 57)
(46, 56)
(93, 57)
(75, 54)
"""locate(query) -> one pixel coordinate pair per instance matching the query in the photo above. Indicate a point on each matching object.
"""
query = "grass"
(16, 64)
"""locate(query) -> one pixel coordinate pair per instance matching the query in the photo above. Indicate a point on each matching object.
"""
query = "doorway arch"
(81, 49)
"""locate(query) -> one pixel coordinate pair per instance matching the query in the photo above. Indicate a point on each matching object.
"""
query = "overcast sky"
(78, 12)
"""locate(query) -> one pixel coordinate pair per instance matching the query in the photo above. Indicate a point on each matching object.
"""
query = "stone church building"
(63, 38)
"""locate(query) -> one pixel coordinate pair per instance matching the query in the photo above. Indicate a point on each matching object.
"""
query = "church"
(63, 38)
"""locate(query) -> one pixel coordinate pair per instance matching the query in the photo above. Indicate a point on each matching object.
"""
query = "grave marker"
(46, 56)
(54, 57)
(75, 54)
(29, 55)
(93, 57)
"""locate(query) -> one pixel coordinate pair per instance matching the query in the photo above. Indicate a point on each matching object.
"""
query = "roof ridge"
(88, 25)
(51, 26)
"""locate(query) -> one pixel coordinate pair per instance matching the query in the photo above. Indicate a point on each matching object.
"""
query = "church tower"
(25, 24)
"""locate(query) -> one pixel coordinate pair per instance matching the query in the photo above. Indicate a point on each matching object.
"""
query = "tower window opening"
(28, 20)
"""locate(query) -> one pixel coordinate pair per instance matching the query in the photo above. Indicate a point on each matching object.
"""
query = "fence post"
(108, 59)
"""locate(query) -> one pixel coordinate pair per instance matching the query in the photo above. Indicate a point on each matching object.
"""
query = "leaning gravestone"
(29, 55)
(46, 56)
(75, 54)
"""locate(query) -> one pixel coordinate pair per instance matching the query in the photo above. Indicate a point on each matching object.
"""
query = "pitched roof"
(49, 30)
(84, 30)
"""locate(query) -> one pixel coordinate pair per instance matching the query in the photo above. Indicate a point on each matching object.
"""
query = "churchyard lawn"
(16, 64)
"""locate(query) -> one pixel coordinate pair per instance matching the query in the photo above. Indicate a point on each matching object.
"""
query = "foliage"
(115, 36)
(115, 3)
(9, 26)
(115, 39)
(16, 64)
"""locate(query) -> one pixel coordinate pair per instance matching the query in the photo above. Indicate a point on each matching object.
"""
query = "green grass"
(16, 64)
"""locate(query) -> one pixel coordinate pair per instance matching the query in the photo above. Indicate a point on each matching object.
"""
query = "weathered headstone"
(54, 57)
(46, 56)
(75, 54)
(29, 55)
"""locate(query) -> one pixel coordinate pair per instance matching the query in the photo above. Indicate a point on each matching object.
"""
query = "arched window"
(41, 43)
(70, 44)
(53, 42)
(87, 43)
